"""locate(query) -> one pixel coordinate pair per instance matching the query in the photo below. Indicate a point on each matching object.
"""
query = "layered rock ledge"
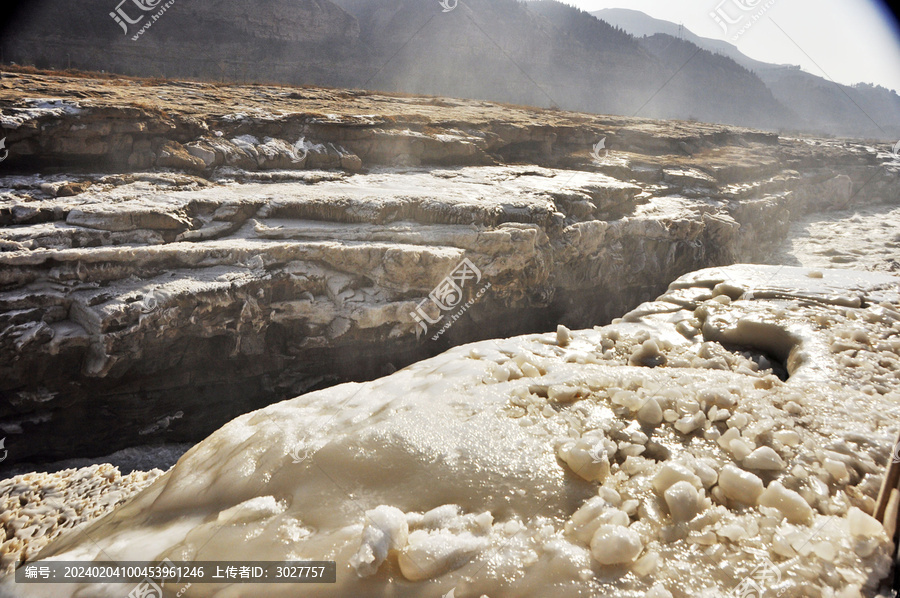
(176, 254)
(730, 435)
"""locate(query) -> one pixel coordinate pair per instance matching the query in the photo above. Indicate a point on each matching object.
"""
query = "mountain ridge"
(841, 109)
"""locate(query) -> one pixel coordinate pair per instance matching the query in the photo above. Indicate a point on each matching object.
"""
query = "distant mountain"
(500, 50)
(861, 110)
(677, 79)
(729, 92)
(854, 111)
(542, 53)
(640, 24)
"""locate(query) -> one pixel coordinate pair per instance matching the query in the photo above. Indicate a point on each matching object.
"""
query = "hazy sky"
(849, 41)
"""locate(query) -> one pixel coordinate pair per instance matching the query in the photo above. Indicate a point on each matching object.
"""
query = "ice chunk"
(733, 532)
(647, 564)
(706, 473)
(616, 545)
(650, 413)
(739, 485)
(864, 525)
(671, 473)
(788, 502)
(764, 458)
(587, 458)
(740, 448)
(683, 501)
(787, 437)
(593, 514)
(648, 355)
(431, 554)
(563, 336)
(559, 393)
(386, 529)
(725, 439)
(689, 423)
(837, 470)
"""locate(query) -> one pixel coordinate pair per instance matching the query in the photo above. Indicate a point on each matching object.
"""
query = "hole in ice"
(763, 359)
(770, 341)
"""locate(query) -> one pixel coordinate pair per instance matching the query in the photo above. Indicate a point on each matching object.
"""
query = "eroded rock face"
(533, 465)
(291, 41)
(209, 265)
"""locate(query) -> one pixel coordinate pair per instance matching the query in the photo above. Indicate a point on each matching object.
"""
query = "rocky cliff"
(294, 41)
(176, 254)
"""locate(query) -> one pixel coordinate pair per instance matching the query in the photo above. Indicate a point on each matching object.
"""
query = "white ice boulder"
(683, 501)
(650, 414)
(563, 336)
(587, 458)
(616, 545)
(764, 458)
(788, 502)
(739, 485)
(431, 554)
(864, 525)
(593, 514)
(671, 473)
(386, 529)
(837, 470)
(787, 437)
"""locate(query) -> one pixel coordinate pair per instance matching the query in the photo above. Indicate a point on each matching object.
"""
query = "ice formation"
(736, 427)
(35, 508)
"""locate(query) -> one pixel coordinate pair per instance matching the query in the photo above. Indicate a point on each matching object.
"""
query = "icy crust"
(35, 508)
(644, 459)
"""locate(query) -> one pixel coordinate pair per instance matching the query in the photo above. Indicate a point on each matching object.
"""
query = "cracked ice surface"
(658, 456)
